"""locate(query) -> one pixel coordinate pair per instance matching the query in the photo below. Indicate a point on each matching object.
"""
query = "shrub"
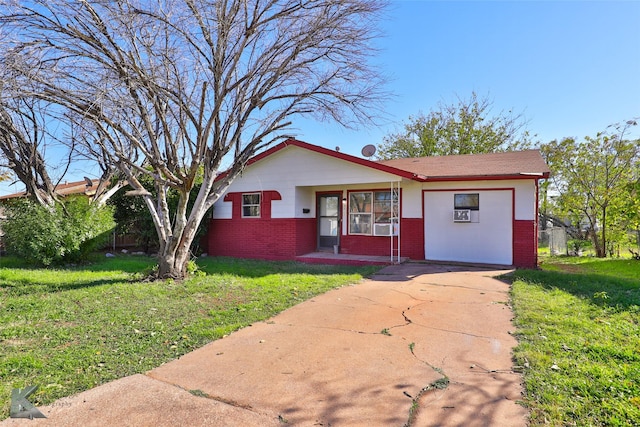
(577, 246)
(66, 232)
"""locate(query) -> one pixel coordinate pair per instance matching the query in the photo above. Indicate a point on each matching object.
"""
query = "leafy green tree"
(66, 232)
(595, 180)
(629, 211)
(467, 127)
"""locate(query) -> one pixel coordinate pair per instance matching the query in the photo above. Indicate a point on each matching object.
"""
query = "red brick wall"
(264, 237)
(306, 235)
(281, 239)
(411, 239)
(525, 244)
(365, 245)
(275, 239)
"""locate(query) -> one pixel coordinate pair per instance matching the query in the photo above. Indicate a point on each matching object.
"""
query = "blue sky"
(570, 67)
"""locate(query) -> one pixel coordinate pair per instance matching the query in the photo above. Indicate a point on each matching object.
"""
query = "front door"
(328, 221)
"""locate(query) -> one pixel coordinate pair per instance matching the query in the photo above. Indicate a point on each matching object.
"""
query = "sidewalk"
(419, 344)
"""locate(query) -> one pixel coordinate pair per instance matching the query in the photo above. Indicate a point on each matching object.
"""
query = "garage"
(469, 225)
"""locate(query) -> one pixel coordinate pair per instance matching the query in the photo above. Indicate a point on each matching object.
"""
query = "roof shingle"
(510, 163)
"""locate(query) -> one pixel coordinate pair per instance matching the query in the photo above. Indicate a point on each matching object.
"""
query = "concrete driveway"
(417, 345)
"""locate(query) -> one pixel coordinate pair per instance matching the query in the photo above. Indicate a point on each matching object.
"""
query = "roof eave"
(402, 173)
(488, 177)
(336, 154)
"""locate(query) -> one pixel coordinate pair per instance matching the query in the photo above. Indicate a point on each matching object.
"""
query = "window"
(382, 207)
(466, 207)
(360, 213)
(371, 212)
(466, 201)
(251, 205)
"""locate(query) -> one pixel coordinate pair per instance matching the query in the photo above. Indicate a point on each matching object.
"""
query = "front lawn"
(578, 326)
(72, 329)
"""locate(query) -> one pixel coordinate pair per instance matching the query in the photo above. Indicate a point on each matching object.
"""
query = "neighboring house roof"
(511, 164)
(527, 163)
(66, 189)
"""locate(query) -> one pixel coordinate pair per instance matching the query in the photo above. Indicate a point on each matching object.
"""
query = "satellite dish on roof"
(368, 150)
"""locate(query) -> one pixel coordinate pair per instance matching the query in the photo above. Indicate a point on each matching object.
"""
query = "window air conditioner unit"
(462, 215)
(382, 229)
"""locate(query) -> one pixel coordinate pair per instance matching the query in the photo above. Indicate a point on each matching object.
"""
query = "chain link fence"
(555, 238)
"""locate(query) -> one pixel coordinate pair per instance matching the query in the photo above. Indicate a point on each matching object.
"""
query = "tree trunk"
(175, 252)
(174, 258)
(167, 268)
(598, 246)
(597, 243)
(602, 252)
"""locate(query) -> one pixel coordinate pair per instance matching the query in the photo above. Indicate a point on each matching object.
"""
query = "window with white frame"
(371, 213)
(251, 205)
(360, 213)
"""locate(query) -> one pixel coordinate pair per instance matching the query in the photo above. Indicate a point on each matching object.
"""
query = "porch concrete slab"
(419, 345)
(348, 259)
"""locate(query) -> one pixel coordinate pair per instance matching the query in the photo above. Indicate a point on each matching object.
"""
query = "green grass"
(578, 326)
(72, 329)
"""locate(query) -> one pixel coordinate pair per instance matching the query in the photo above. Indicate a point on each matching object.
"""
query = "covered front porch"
(361, 219)
(348, 259)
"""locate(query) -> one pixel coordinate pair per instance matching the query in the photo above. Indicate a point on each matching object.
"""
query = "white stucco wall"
(297, 173)
(525, 192)
(411, 199)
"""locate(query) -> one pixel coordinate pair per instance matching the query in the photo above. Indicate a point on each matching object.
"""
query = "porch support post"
(395, 222)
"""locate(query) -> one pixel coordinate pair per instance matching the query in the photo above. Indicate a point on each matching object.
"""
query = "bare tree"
(171, 88)
(24, 140)
(27, 131)
(20, 142)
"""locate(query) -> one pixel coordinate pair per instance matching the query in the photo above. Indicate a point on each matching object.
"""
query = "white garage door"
(487, 238)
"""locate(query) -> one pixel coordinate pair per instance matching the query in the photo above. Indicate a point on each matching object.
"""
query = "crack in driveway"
(439, 384)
